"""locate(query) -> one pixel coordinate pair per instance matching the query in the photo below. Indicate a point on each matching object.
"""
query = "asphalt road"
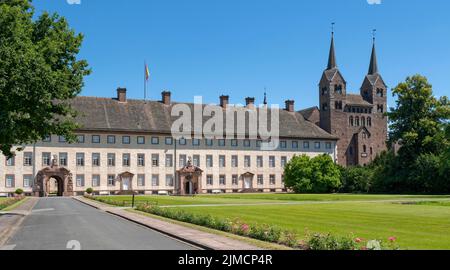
(63, 223)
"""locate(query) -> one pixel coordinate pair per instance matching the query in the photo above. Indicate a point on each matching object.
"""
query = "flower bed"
(6, 203)
(269, 233)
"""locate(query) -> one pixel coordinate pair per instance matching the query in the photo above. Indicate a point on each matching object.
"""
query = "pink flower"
(245, 228)
(392, 239)
(358, 240)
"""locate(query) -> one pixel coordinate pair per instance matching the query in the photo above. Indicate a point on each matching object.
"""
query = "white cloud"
(74, 2)
(374, 2)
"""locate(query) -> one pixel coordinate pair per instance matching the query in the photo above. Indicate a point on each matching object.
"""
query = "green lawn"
(262, 198)
(419, 222)
(415, 226)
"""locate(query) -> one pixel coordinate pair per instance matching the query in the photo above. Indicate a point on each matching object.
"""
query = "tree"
(356, 179)
(417, 121)
(316, 175)
(39, 74)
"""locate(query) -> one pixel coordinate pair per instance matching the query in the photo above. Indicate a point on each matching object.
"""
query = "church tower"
(332, 92)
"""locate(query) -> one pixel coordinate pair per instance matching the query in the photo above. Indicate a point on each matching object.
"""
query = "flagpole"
(145, 81)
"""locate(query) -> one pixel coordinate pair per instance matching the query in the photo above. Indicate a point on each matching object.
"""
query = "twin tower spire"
(332, 64)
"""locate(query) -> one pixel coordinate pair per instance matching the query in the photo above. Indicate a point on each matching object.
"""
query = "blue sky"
(239, 47)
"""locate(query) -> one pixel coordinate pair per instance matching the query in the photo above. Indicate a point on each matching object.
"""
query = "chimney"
(166, 97)
(250, 102)
(290, 105)
(224, 101)
(122, 94)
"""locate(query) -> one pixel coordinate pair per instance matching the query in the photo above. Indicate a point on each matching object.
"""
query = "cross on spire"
(332, 57)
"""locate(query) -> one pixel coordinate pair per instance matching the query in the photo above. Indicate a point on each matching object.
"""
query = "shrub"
(19, 191)
(316, 175)
(330, 242)
(89, 191)
(356, 179)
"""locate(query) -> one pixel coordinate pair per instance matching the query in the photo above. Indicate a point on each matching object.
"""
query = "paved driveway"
(63, 223)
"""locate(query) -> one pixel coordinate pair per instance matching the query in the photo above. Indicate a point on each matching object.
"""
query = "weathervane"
(332, 27)
(374, 33)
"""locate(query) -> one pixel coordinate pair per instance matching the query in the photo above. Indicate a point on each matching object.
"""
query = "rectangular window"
(169, 160)
(155, 140)
(27, 159)
(169, 180)
(272, 179)
(47, 139)
(63, 159)
(141, 160)
(260, 179)
(126, 160)
(155, 160)
(283, 144)
(283, 162)
(259, 162)
(182, 162)
(9, 183)
(183, 141)
(235, 181)
(155, 180)
(306, 145)
(247, 161)
(169, 141)
(295, 145)
(80, 159)
(80, 180)
(209, 142)
(209, 180)
(258, 143)
(196, 160)
(196, 142)
(141, 180)
(140, 140)
(209, 161)
(247, 143)
(222, 180)
(317, 145)
(12, 161)
(111, 139)
(96, 159)
(111, 160)
(222, 143)
(126, 139)
(46, 159)
(111, 180)
(27, 180)
(234, 161)
(95, 138)
(328, 145)
(272, 162)
(62, 139)
(80, 138)
(95, 180)
(234, 143)
(222, 161)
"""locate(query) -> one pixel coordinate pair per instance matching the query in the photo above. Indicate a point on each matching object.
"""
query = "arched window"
(357, 121)
(325, 107)
(363, 121)
(371, 151)
(324, 91)
(338, 89)
(369, 121)
(364, 149)
(351, 121)
(380, 92)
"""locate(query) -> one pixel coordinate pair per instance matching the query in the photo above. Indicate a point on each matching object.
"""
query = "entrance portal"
(190, 180)
(53, 181)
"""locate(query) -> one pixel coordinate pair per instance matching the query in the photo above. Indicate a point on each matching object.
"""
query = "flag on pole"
(147, 72)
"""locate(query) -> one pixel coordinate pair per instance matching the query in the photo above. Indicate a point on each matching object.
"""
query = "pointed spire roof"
(373, 68)
(332, 57)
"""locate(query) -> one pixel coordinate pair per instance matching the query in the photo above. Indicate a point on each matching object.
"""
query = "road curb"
(175, 231)
(6, 235)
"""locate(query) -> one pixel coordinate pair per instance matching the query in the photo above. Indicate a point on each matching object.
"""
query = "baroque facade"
(127, 146)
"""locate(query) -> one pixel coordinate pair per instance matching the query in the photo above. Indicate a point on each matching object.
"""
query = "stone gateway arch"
(63, 177)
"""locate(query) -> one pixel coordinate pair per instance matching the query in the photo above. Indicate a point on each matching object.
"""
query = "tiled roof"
(109, 115)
